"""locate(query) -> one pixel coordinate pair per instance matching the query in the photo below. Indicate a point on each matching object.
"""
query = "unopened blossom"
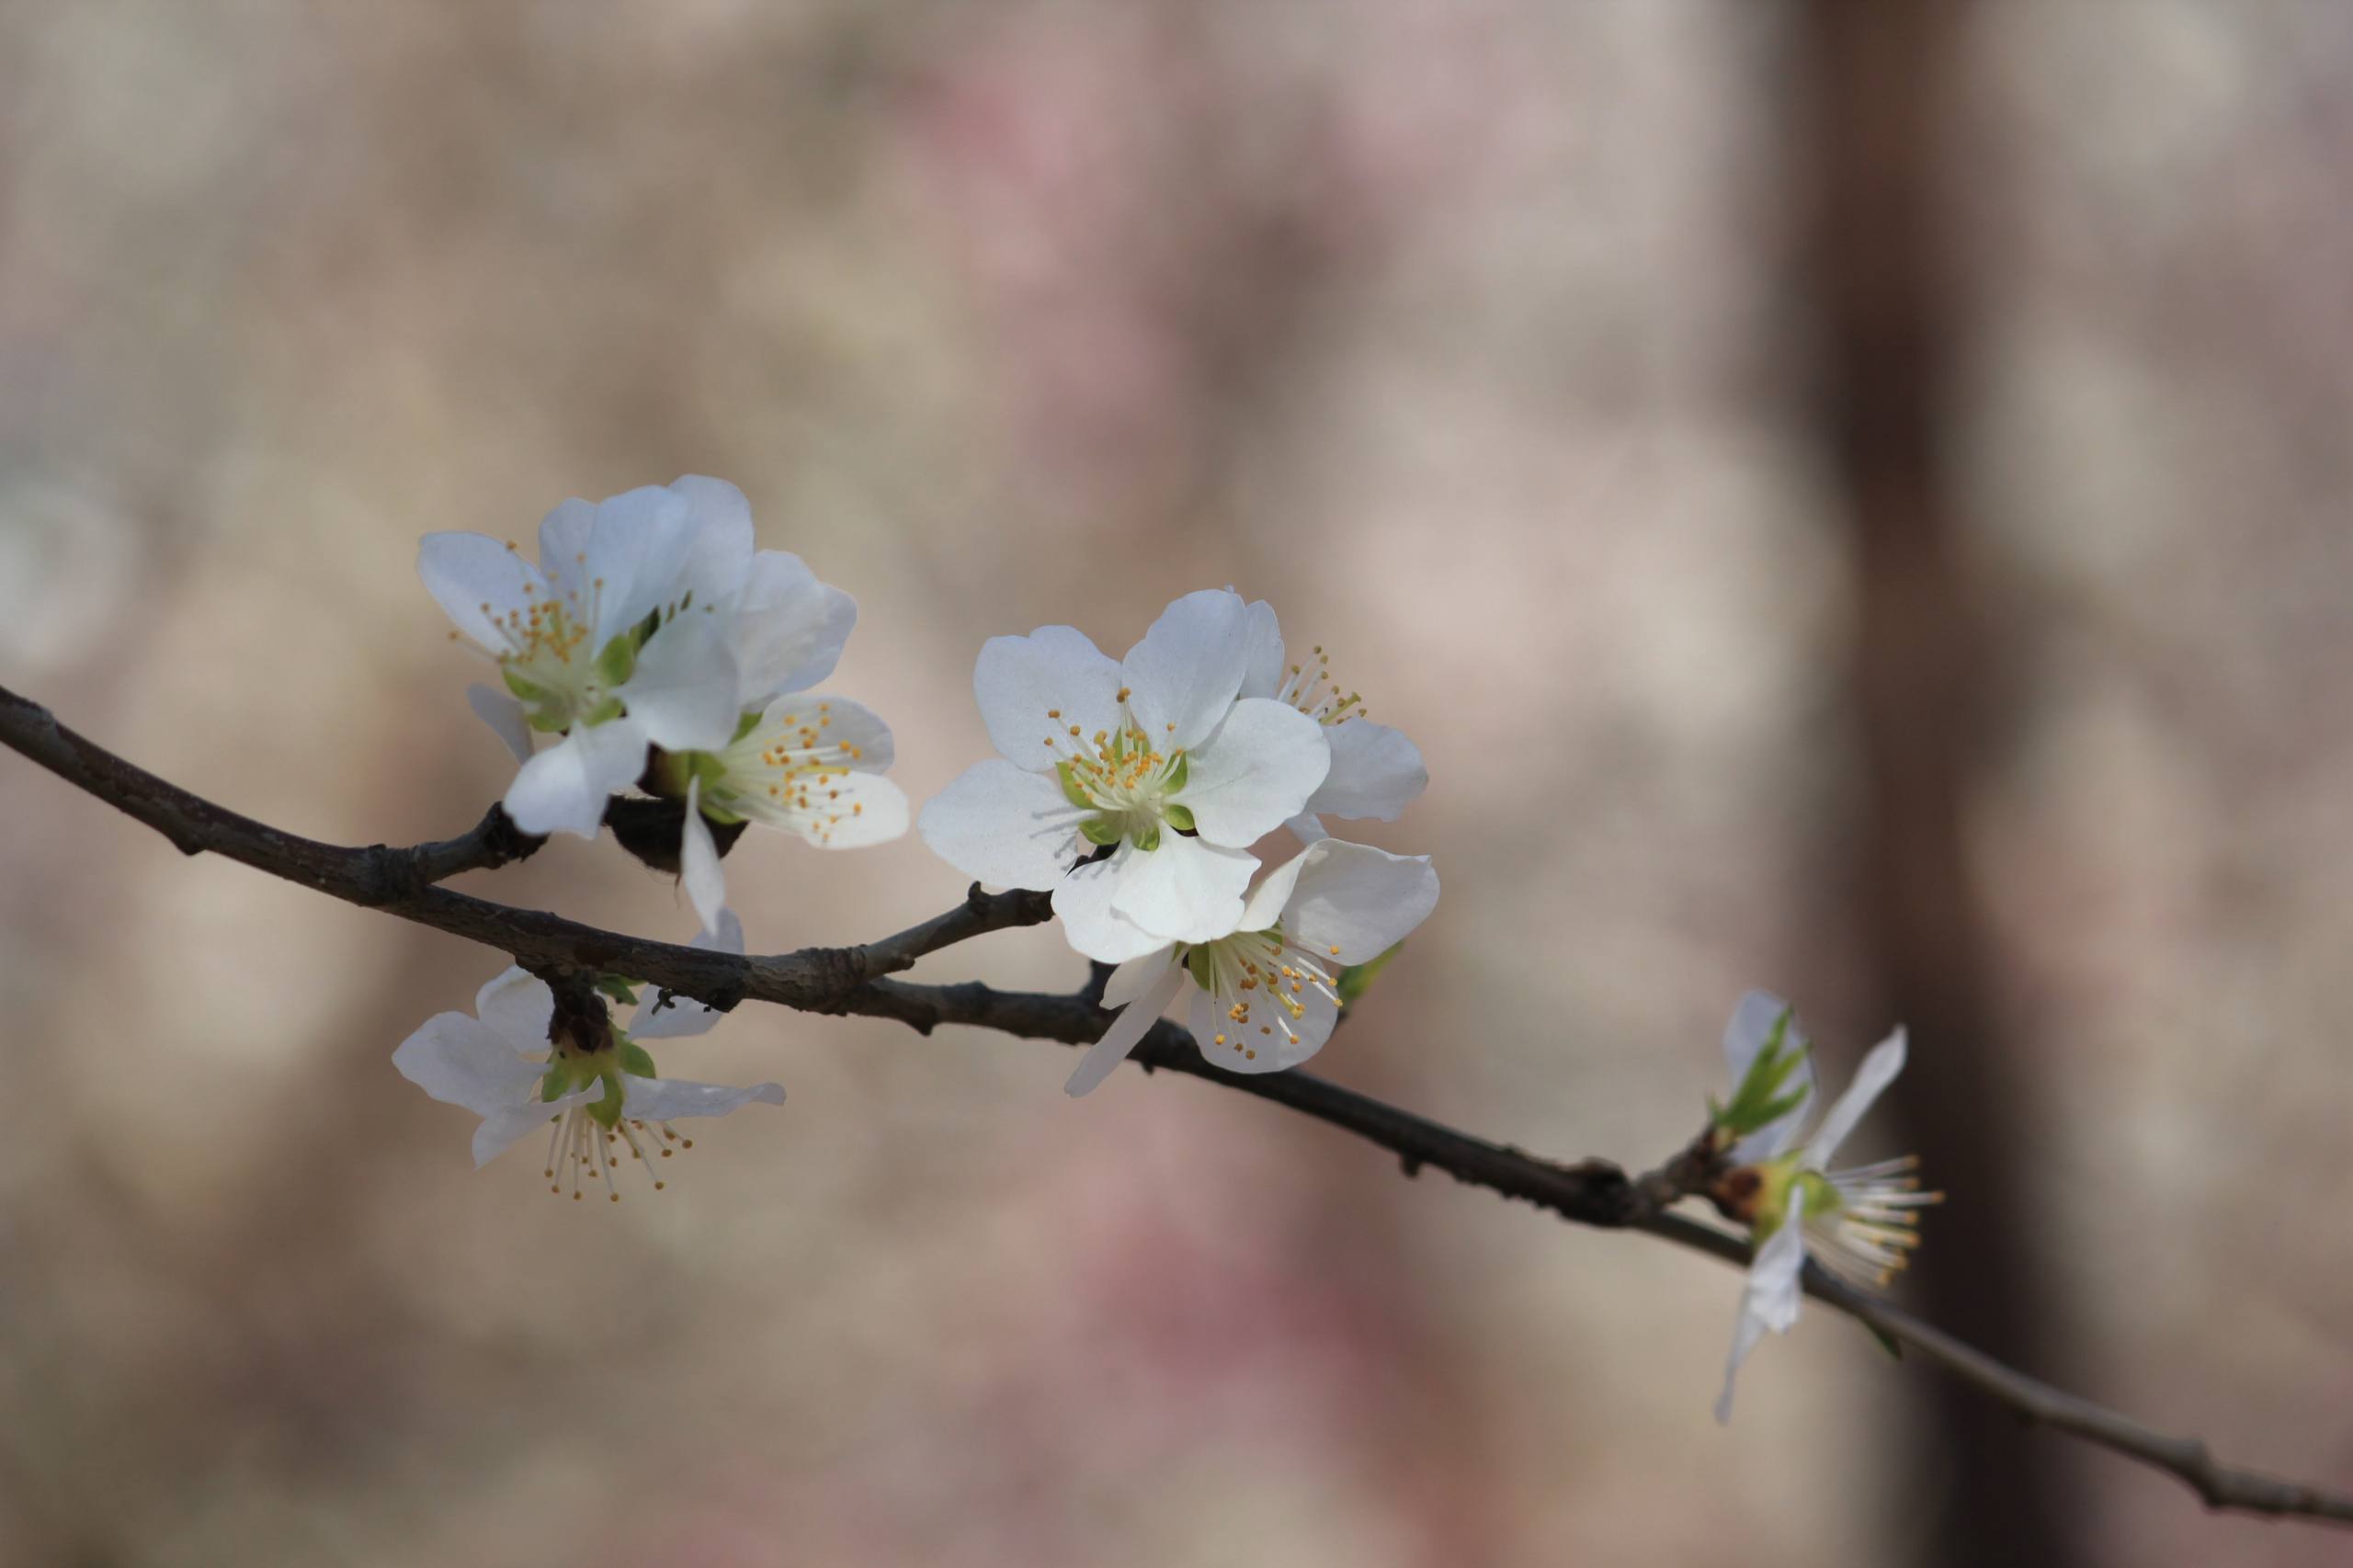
(1266, 996)
(1376, 771)
(649, 619)
(811, 764)
(1859, 1222)
(520, 1066)
(1155, 759)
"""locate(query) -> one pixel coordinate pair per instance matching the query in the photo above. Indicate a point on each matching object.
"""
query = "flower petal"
(683, 1015)
(1034, 691)
(518, 1006)
(666, 1099)
(564, 788)
(858, 810)
(1188, 889)
(1263, 672)
(1376, 772)
(503, 1128)
(637, 555)
(1000, 825)
(1353, 902)
(1307, 827)
(1769, 1300)
(1133, 978)
(504, 715)
(1871, 1079)
(1185, 673)
(1082, 904)
(563, 552)
(698, 869)
(789, 627)
(718, 554)
(1261, 1045)
(463, 1062)
(1257, 770)
(1753, 1017)
(683, 691)
(1127, 1030)
(477, 581)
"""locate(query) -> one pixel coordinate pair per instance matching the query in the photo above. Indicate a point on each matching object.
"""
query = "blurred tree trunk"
(1876, 79)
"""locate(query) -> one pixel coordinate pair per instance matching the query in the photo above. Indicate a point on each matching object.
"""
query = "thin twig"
(850, 979)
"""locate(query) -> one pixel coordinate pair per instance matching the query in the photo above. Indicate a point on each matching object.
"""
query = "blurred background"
(1847, 497)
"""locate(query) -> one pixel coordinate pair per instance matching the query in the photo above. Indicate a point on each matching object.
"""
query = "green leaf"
(1357, 978)
(620, 989)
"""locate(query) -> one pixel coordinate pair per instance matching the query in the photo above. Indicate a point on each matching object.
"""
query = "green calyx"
(1201, 964)
(1174, 779)
(1071, 791)
(1356, 979)
(1764, 1094)
(1777, 1180)
(569, 1074)
(1181, 819)
(1102, 829)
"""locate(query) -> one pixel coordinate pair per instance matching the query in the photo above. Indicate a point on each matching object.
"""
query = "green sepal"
(554, 1085)
(1357, 978)
(637, 1060)
(604, 712)
(1760, 1100)
(1101, 830)
(1071, 791)
(745, 725)
(1204, 971)
(548, 721)
(617, 660)
(1887, 1342)
(525, 689)
(620, 988)
(1149, 839)
(1181, 819)
(608, 1111)
(1175, 778)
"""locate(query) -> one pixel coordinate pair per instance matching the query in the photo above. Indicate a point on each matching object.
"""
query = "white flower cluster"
(660, 649)
(1134, 790)
(652, 646)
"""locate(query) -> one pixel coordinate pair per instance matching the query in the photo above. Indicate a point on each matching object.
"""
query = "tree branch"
(855, 980)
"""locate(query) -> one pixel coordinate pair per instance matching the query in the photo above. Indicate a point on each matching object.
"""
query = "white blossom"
(1152, 759)
(649, 619)
(513, 1064)
(1376, 771)
(1859, 1222)
(1265, 995)
(811, 764)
